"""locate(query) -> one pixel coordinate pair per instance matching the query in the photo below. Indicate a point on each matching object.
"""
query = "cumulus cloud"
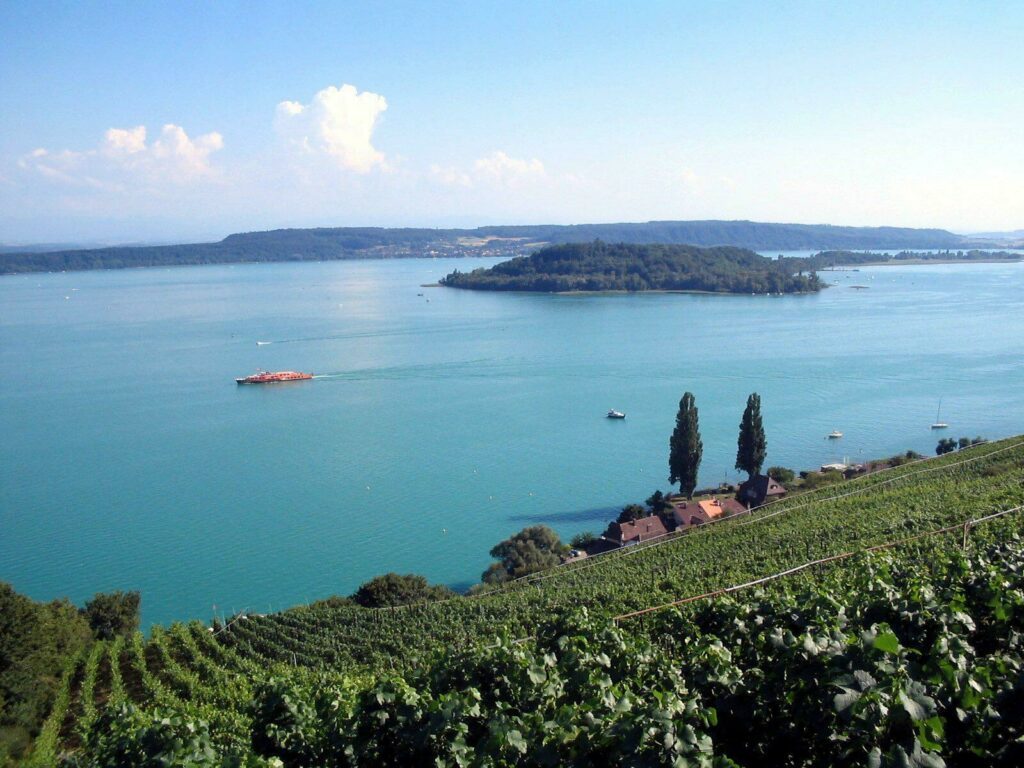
(338, 123)
(125, 160)
(125, 141)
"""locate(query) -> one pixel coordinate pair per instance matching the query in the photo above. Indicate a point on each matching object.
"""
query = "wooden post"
(967, 527)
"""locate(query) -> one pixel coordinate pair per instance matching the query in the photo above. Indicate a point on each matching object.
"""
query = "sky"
(168, 122)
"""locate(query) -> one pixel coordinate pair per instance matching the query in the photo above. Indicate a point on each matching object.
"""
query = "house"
(687, 513)
(758, 490)
(637, 531)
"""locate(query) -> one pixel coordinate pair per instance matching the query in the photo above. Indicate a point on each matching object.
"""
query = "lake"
(443, 420)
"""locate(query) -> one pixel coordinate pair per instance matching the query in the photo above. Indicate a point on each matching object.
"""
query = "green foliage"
(128, 736)
(946, 445)
(657, 503)
(44, 750)
(532, 549)
(826, 259)
(581, 540)
(36, 642)
(967, 442)
(600, 266)
(393, 589)
(910, 657)
(334, 601)
(903, 458)
(781, 474)
(819, 479)
(113, 613)
(751, 446)
(631, 512)
(685, 448)
(869, 510)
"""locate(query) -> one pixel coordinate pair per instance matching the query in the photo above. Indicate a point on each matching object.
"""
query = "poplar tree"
(685, 448)
(752, 445)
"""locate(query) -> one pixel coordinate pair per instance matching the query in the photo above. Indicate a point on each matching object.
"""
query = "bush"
(532, 549)
(631, 512)
(113, 613)
(781, 474)
(392, 589)
(657, 502)
(581, 540)
(903, 458)
(818, 479)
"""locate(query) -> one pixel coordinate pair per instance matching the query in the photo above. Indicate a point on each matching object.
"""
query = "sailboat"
(938, 423)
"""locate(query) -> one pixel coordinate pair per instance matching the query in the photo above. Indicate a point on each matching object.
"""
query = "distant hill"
(323, 244)
(43, 247)
(600, 266)
(1012, 239)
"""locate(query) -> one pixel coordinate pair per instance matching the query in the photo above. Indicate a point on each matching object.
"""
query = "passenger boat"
(613, 414)
(271, 377)
(835, 434)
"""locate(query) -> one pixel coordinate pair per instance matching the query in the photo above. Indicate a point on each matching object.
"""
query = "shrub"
(393, 589)
(781, 474)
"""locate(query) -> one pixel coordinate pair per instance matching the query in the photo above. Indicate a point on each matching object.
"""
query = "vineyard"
(908, 656)
(862, 513)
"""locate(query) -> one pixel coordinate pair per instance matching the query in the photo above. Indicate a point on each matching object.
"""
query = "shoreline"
(629, 293)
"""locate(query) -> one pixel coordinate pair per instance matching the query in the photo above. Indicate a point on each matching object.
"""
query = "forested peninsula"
(827, 259)
(600, 266)
(337, 243)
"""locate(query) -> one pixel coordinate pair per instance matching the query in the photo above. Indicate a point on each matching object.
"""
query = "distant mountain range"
(324, 244)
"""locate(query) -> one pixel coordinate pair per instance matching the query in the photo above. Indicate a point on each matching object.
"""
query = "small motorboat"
(835, 434)
(613, 414)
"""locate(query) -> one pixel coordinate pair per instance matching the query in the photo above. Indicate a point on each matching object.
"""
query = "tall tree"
(685, 449)
(752, 445)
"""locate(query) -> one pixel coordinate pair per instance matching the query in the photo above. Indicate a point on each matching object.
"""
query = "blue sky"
(169, 121)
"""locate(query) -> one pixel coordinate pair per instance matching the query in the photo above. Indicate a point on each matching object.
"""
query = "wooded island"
(600, 266)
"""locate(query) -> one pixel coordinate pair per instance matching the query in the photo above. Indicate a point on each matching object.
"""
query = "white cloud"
(450, 176)
(125, 141)
(186, 157)
(501, 168)
(339, 123)
(123, 160)
(496, 170)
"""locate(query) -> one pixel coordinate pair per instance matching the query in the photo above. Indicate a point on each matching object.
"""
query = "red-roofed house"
(687, 513)
(644, 529)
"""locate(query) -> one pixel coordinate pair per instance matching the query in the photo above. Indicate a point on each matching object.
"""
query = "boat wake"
(483, 368)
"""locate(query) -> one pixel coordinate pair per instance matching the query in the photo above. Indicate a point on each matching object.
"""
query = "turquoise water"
(444, 423)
